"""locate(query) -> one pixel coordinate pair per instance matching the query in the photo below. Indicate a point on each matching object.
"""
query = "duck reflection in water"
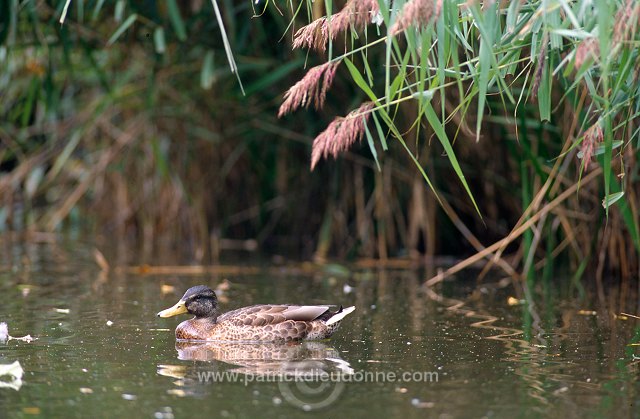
(262, 361)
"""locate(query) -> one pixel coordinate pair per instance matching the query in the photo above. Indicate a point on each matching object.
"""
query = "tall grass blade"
(63, 16)
(438, 128)
(122, 29)
(611, 199)
(159, 41)
(372, 146)
(176, 20)
(227, 45)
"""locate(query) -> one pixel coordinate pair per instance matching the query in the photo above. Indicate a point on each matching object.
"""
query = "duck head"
(200, 301)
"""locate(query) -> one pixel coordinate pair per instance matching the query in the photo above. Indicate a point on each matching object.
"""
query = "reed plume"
(592, 137)
(417, 13)
(589, 48)
(341, 134)
(626, 20)
(312, 88)
(542, 58)
(355, 14)
(312, 36)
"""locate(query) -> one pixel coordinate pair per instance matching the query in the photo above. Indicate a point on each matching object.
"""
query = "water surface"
(101, 352)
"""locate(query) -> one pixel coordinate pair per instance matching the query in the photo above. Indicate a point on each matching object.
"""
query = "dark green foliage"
(128, 116)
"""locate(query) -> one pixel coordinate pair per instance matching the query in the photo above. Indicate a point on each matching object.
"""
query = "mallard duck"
(263, 323)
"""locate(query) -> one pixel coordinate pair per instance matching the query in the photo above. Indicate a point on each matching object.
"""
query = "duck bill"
(179, 308)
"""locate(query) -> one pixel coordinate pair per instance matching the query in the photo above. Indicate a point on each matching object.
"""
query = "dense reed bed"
(501, 131)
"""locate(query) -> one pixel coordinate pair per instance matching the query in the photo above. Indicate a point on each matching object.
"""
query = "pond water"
(101, 351)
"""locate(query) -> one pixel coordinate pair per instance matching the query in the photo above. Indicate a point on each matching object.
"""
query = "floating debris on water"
(165, 413)
(225, 285)
(587, 312)
(176, 392)
(420, 404)
(63, 310)
(109, 323)
(625, 316)
(13, 372)
(5, 336)
(561, 390)
(4, 332)
(33, 410)
(86, 390)
(513, 301)
(167, 289)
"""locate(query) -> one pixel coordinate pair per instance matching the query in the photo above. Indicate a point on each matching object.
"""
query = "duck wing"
(268, 314)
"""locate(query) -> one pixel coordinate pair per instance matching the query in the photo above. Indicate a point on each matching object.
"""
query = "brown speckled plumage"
(261, 323)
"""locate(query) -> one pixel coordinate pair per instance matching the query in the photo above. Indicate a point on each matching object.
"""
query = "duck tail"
(339, 315)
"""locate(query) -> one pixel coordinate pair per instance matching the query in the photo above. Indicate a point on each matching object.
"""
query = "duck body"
(258, 323)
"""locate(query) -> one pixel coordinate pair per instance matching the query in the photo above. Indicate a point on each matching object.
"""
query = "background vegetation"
(126, 121)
